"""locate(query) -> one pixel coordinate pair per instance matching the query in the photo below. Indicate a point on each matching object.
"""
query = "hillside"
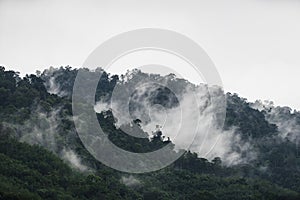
(42, 156)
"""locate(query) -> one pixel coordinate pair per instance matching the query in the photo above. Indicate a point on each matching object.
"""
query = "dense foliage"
(38, 171)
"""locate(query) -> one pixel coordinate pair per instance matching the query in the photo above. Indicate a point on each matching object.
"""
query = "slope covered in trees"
(42, 156)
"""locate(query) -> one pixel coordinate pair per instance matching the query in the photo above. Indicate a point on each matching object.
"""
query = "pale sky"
(255, 44)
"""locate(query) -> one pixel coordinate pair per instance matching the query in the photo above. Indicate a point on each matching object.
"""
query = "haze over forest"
(256, 155)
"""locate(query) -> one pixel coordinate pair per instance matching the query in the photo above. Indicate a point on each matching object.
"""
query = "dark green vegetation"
(34, 172)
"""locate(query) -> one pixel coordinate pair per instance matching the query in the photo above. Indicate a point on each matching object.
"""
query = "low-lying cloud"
(287, 121)
(42, 128)
(195, 124)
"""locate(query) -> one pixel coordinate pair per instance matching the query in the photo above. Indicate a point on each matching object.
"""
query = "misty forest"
(257, 155)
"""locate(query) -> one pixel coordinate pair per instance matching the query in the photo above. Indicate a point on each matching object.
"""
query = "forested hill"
(42, 157)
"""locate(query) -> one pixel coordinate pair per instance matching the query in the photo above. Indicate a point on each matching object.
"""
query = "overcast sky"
(255, 44)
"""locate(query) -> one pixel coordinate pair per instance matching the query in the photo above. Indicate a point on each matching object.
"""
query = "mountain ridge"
(269, 152)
